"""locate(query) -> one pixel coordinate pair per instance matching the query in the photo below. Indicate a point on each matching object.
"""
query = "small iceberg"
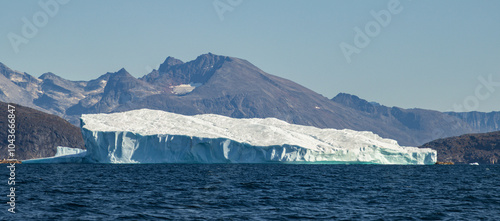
(63, 155)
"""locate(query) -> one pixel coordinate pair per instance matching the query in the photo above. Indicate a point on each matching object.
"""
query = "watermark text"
(11, 139)
(363, 37)
(223, 6)
(30, 27)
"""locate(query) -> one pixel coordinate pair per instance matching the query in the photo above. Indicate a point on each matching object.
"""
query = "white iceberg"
(152, 136)
(63, 155)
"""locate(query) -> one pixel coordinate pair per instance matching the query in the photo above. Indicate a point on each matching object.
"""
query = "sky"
(440, 55)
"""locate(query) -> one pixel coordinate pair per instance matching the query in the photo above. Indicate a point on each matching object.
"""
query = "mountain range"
(232, 87)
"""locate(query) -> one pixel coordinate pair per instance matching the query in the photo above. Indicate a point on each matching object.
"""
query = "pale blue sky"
(431, 55)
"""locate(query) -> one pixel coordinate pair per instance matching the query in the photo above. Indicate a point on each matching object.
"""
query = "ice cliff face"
(151, 136)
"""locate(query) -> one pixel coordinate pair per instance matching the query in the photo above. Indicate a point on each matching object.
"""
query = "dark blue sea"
(253, 192)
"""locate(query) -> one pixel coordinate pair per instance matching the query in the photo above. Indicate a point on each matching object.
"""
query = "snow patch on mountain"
(184, 88)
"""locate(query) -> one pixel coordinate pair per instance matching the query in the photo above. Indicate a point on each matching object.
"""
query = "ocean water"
(253, 192)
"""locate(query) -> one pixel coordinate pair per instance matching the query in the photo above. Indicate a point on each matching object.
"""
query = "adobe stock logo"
(372, 29)
(222, 7)
(40, 19)
(482, 92)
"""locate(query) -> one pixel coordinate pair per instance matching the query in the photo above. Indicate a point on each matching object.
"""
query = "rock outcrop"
(481, 148)
(37, 133)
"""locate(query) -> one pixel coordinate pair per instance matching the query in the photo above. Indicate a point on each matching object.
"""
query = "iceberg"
(63, 155)
(153, 136)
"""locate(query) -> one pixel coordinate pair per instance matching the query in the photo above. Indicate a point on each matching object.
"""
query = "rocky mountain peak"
(2, 66)
(208, 60)
(122, 71)
(123, 81)
(355, 102)
(10, 74)
(49, 75)
(174, 72)
(6, 71)
(120, 76)
(168, 63)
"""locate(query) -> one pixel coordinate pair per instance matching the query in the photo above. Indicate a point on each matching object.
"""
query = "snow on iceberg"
(63, 155)
(153, 136)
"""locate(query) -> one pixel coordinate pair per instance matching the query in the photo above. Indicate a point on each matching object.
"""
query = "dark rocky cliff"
(482, 148)
(37, 133)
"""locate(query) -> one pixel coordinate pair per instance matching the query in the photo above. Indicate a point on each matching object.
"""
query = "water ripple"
(256, 192)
